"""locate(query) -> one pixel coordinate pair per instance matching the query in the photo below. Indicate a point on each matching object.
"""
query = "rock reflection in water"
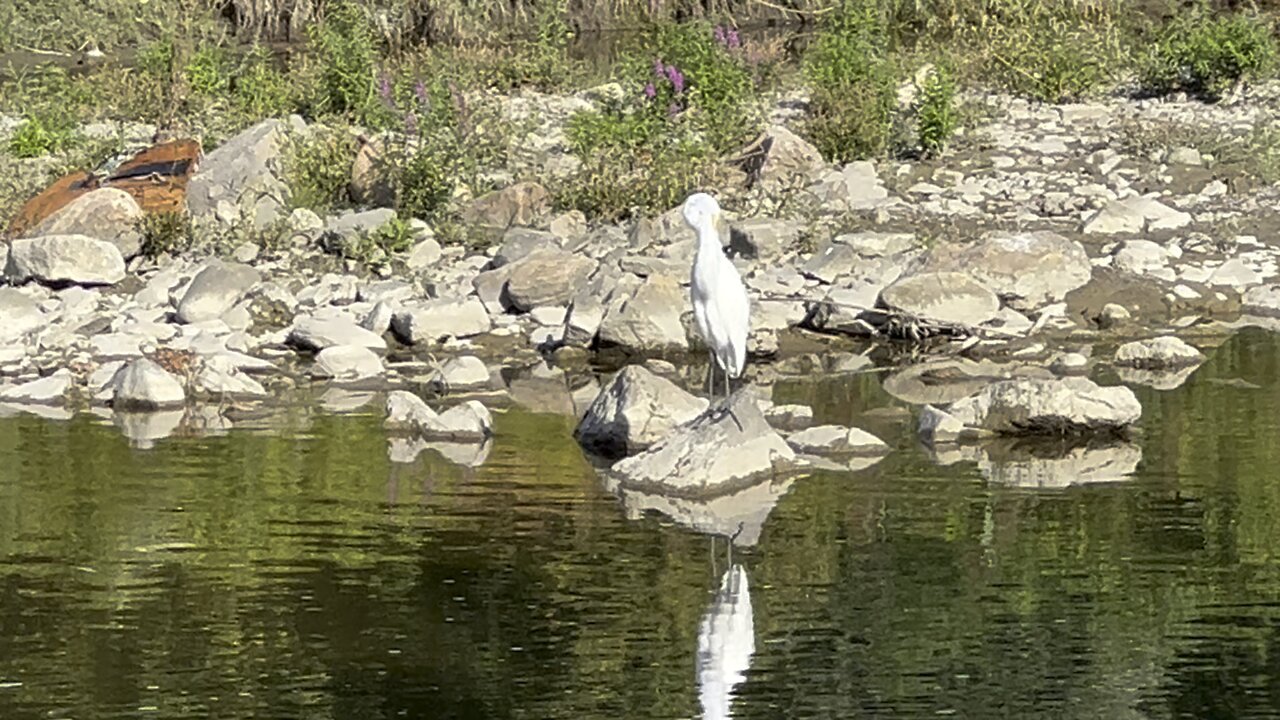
(726, 642)
(406, 450)
(143, 429)
(1157, 379)
(740, 515)
(1033, 463)
(941, 382)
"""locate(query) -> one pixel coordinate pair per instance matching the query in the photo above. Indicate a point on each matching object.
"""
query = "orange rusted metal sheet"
(50, 200)
(157, 177)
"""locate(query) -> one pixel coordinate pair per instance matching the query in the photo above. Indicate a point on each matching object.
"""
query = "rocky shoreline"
(1014, 263)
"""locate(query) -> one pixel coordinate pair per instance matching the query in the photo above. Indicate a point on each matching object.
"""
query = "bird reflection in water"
(726, 641)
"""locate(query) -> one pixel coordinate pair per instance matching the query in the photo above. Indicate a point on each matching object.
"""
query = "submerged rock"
(726, 448)
(143, 385)
(1059, 406)
(634, 411)
(1158, 353)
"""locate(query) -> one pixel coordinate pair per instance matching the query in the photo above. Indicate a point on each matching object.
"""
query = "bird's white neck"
(709, 239)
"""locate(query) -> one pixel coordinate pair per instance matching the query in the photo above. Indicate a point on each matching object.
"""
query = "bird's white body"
(721, 308)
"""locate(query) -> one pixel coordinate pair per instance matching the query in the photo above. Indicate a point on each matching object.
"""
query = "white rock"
(1158, 353)
(462, 372)
(347, 362)
(49, 390)
(317, 333)
(436, 320)
(1027, 406)
(61, 259)
(837, 439)
(143, 385)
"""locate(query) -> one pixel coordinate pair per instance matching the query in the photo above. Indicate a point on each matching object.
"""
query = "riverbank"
(429, 234)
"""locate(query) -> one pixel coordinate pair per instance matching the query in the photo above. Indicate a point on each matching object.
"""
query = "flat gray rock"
(436, 320)
(51, 390)
(946, 297)
(347, 362)
(1059, 406)
(1028, 269)
(837, 440)
(316, 334)
(243, 177)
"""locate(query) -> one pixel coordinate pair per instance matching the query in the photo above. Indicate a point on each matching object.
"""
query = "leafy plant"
(259, 89)
(1051, 59)
(1207, 55)
(318, 168)
(165, 233)
(207, 72)
(42, 134)
(852, 77)
(345, 44)
(698, 70)
(936, 114)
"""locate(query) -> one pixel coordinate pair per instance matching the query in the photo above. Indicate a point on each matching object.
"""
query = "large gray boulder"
(634, 411)
(1026, 269)
(215, 289)
(65, 259)
(435, 320)
(548, 276)
(647, 320)
(143, 385)
(523, 203)
(1027, 406)
(779, 157)
(726, 448)
(946, 297)
(51, 390)
(107, 214)
(243, 175)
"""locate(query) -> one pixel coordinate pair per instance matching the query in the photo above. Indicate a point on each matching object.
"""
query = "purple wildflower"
(732, 39)
(411, 124)
(384, 89)
(676, 77)
(718, 33)
(650, 91)
(659, 69)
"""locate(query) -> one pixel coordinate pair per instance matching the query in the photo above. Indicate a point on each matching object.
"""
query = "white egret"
(720, 305)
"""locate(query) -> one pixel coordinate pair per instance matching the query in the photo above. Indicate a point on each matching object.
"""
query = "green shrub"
(208, 72)
(347, 54)
(1051, 59)
(614, 184)
(703, 77)
(936, 114)
(42, 134)
(165, 233)
(156, 58)
(853, 85)
(318, 168)
(259, 89)
(1207, 55)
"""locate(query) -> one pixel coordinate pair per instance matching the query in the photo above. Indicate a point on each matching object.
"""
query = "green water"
(290, 570)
